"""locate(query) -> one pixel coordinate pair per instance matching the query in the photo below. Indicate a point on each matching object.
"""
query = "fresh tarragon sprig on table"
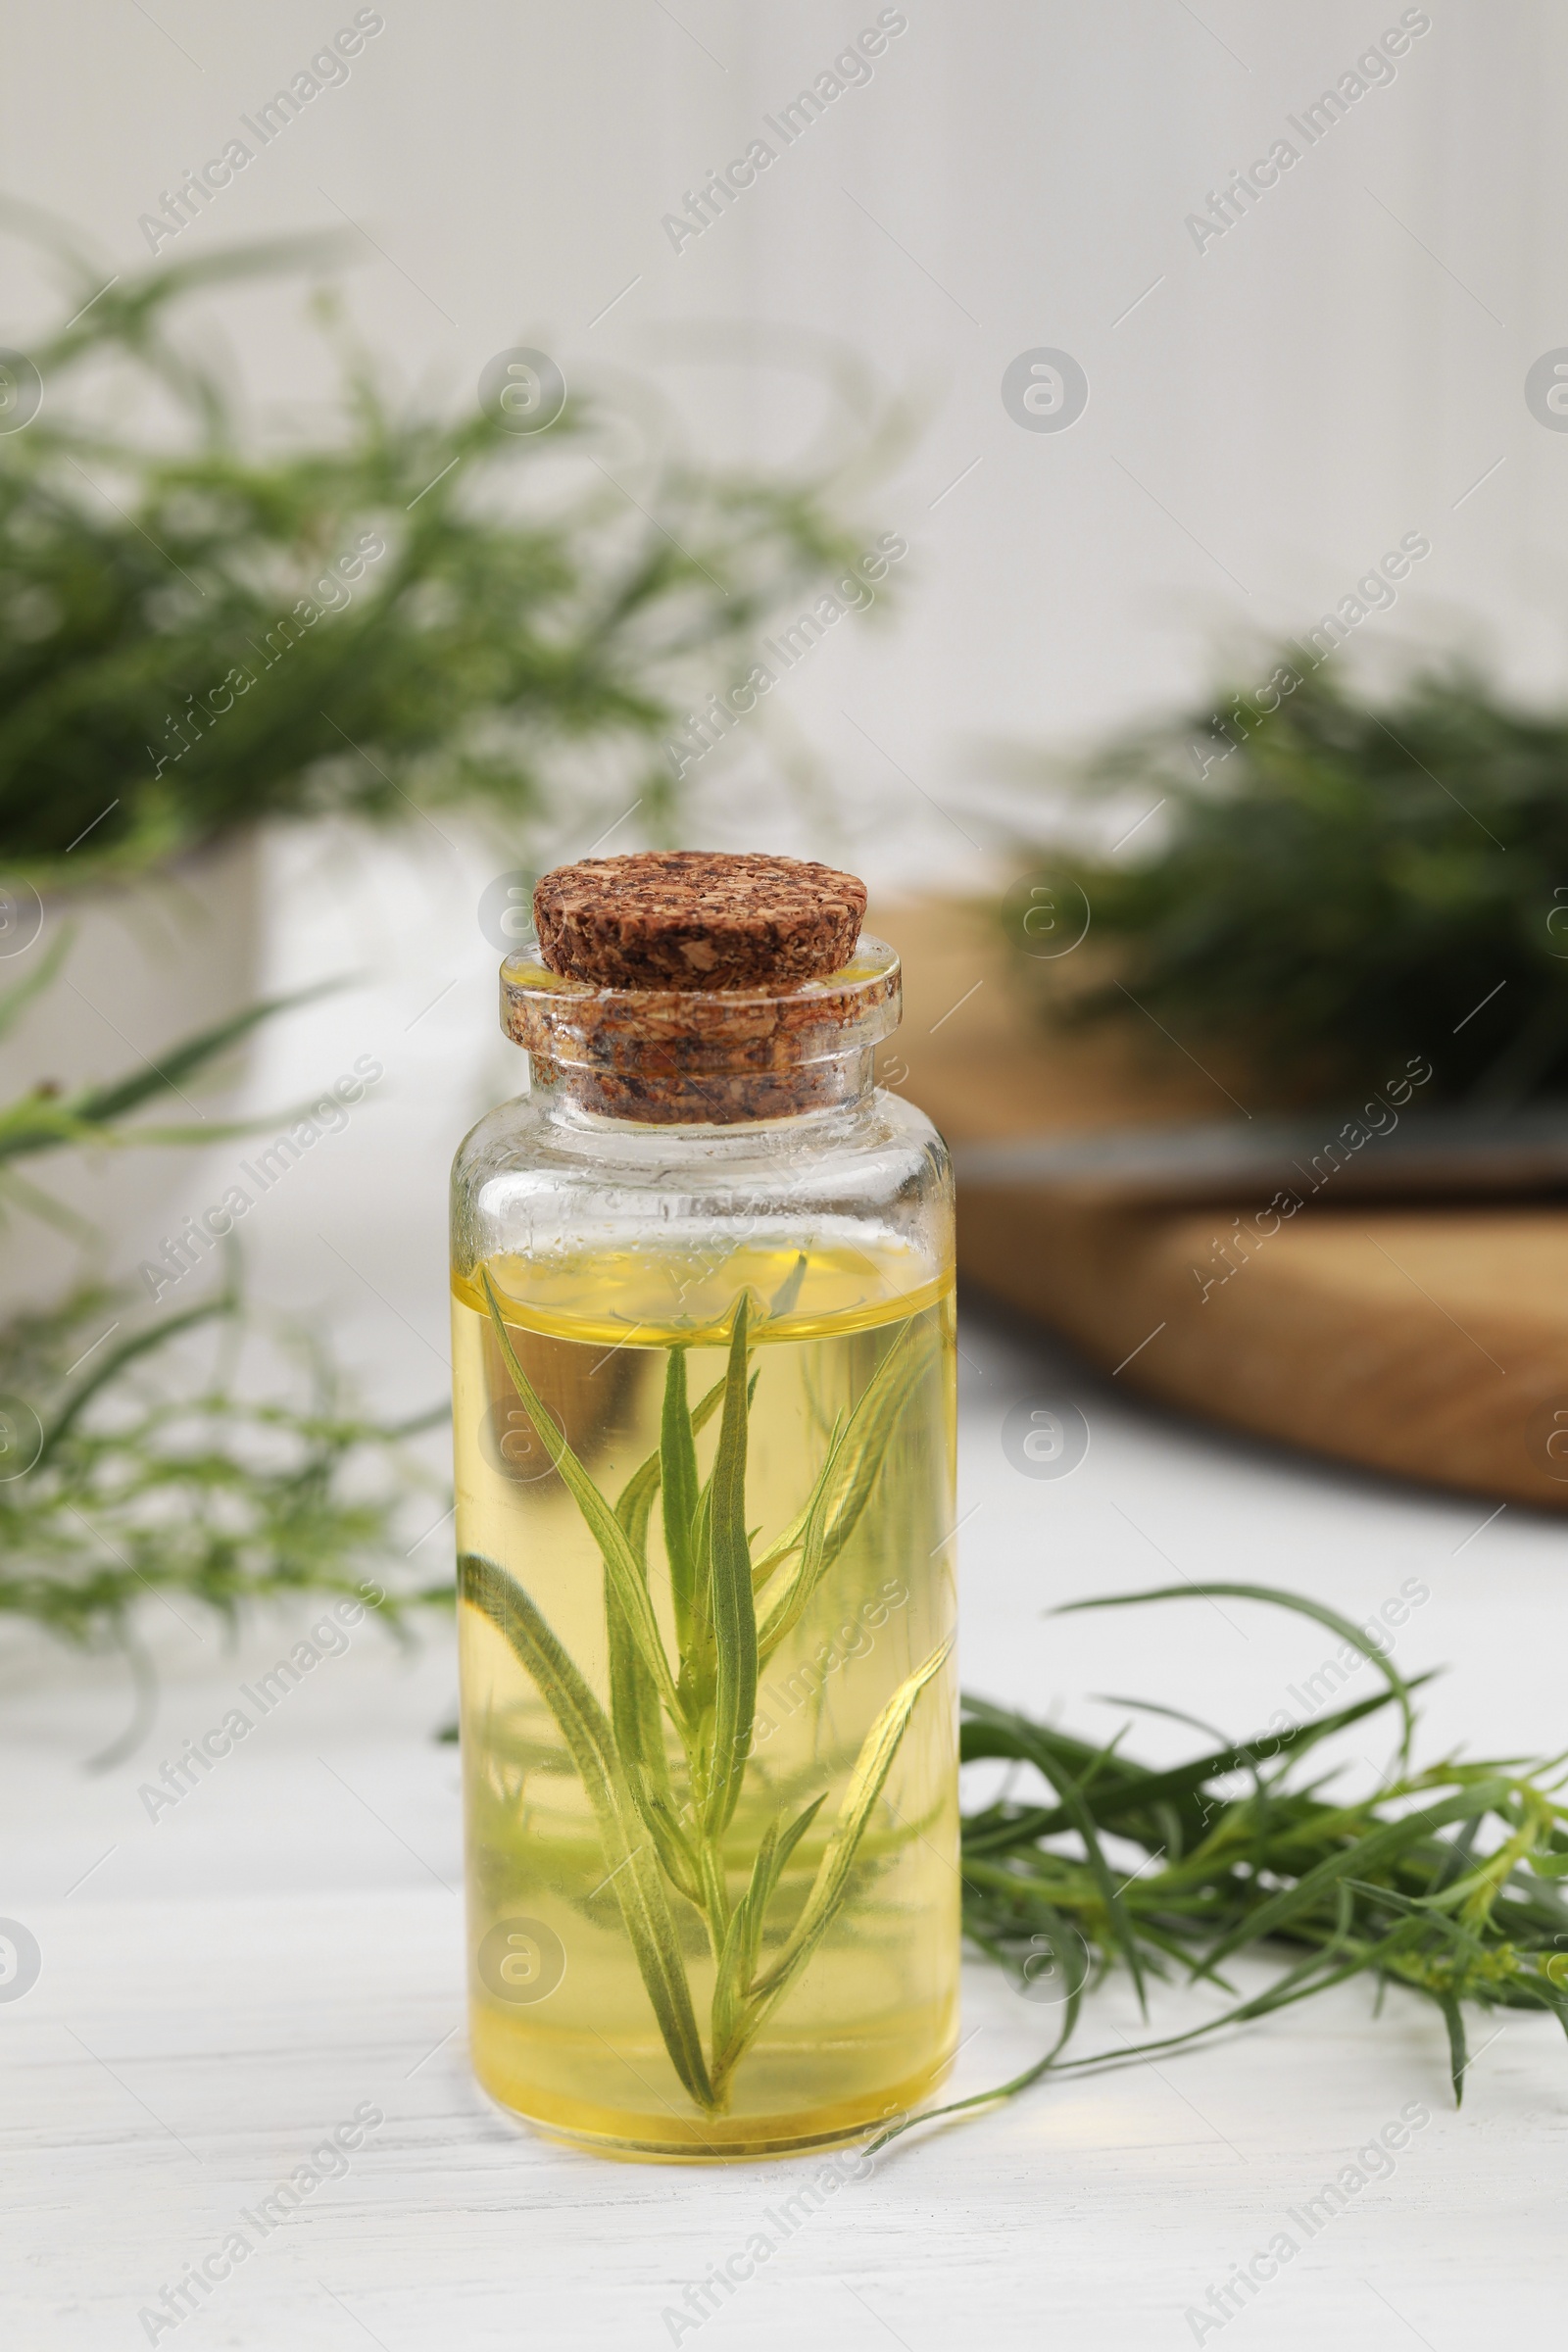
(731, 1613)
(1448, 1882)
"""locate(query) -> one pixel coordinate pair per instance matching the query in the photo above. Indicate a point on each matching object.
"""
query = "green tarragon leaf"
(845, 1484)
(731, 1611)
(1376, 1850)
(631, 1864)
(679, 1488)
(831, 1884)
(634, 1708)
(1318, 1610)
(620, 1560)
(742, 1944)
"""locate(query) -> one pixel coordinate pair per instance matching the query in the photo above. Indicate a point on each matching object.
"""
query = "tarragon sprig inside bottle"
(664, 1832)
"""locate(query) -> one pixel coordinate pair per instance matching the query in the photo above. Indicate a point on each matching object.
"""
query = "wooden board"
(1428, 1342)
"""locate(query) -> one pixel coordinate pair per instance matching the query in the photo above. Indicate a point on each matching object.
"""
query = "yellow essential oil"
(831, 1367)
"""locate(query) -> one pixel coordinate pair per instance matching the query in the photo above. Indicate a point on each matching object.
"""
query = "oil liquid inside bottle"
(564, 2030)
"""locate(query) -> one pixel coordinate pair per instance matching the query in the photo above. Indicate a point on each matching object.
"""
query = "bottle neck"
(703, 1101)
(704, 1058)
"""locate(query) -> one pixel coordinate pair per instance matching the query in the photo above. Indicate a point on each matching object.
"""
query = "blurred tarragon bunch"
(197, 632)
(135, 1465)
(1331, 878)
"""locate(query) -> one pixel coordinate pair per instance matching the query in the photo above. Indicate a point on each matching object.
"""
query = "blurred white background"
(1265, 416)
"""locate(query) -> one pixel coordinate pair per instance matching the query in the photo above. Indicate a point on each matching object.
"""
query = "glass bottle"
(703, 1377)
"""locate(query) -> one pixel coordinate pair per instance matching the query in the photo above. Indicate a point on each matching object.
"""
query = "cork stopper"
(697, 919)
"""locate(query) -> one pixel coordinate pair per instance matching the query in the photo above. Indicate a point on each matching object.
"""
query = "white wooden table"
(223, 1988)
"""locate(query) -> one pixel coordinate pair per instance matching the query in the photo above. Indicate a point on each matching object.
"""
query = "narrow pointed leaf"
(828, 1888)
(896, 1378)
(634, 1709)
(679, 1486)
(641, 1490)
(1375, 1851)
(795, 1534)
(1272, 1594)
(785, 1297)
(634, 1507)
(606, 1531)
(630, 1863)
(731, 1610)
(141, 1342)
(1454, 2019)
(737, 1961)
(183, 1058)
(1117, 1799)
(744, 1942)
(847, 1484)
(1119, 1924)
(697, 1662)
(791, 1838)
